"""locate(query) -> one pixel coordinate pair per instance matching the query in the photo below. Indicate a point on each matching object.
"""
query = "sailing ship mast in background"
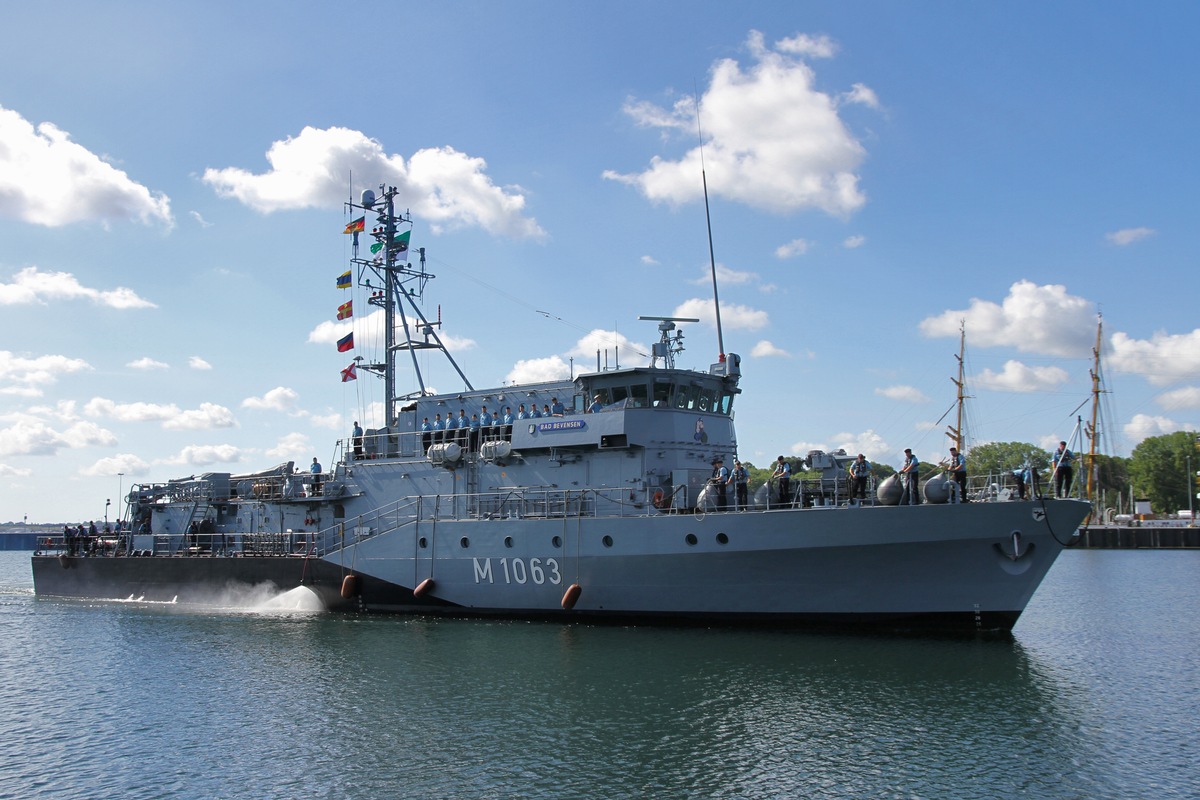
(1093, 431)
(955, 432)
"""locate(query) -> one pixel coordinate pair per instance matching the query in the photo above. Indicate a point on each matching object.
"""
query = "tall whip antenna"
(712, 259)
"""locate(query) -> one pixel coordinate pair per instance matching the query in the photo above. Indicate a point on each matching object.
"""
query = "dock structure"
(1138, 537)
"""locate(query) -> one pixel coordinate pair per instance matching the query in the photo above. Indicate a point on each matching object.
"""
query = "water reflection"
(1087, 700)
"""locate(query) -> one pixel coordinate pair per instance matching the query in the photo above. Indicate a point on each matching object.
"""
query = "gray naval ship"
(584, 499)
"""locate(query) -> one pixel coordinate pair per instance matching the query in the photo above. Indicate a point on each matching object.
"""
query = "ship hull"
(957, 568)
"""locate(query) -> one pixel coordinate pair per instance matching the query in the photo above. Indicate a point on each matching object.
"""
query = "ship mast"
(956, 432)
(1092, 431)
(403, 285)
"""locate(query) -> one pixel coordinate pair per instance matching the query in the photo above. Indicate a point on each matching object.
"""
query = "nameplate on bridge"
(562, 425)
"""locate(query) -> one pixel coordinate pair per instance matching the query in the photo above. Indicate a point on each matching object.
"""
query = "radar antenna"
(666, 347)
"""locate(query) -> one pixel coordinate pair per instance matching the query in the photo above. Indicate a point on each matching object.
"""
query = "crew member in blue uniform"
(740, 480)
(910, 479)
(358, 441)
(316, 471)
(1062, 460)
(475, 424)
(426, 435)
(720, 479)
(783, 473)
(860, 471)
(485, 422)
(556, 408)
(507, 422)
(462, 426)
(958, 469)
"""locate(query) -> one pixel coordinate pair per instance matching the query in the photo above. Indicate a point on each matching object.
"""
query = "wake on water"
(264, 599)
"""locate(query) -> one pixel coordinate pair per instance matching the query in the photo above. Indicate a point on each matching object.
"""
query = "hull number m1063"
(517, 570)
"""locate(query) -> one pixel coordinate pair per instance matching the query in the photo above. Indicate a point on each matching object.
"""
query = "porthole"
(465, 542)
(607, 540)
(690, 538)
(423, 543)
(508, 541)
(722, 539)
(556, 542)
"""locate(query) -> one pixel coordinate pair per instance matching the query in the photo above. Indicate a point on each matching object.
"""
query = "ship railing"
(512, 503)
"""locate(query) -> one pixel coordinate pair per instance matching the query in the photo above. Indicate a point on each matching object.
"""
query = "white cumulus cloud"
(1032, 318)
(126, 463)
(28, 435)
(1143, 426)
(31, 285)
(280, 398)
(147, 363)
(733, 316)
(1187, 397)
(796, 247)
(538, 370)
(905, 394)
(40, 165)
(443, 187)
(1163, 359)
(772, 140)
(24, 376)
(1127, 236)
(766, 349)
(1018, 377)
(203, 455)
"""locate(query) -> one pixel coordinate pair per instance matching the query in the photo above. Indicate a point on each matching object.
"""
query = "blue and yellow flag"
(343, 281)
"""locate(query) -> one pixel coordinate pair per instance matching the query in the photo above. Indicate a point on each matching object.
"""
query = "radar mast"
(402, 285)
(667, 346)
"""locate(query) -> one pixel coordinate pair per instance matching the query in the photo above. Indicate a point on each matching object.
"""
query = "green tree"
(996, 458)
(1159, 470)
(1110, 478)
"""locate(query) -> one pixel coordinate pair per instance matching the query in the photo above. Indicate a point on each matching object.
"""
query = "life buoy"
(659, 499)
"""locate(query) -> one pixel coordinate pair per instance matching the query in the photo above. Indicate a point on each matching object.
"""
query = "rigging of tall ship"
(582, 499)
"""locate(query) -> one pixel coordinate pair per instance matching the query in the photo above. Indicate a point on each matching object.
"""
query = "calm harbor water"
(1096, 695)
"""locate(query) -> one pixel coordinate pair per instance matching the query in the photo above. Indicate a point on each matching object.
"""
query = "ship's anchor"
(1017, 554)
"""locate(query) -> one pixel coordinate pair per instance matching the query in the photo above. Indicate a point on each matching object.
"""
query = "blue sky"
(172, 179)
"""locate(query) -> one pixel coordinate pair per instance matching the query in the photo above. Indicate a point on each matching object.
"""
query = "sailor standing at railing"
(1063, 458)
(740, 478)
(461, 427)
(720, 480)
(486, 420)
(316, 469)
(426, 435)
(860, 470)
(958, 470)
(783, 471)
(476, 423)
(910, 479)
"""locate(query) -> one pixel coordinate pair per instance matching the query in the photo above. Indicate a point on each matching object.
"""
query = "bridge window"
(662, 394)
(638, 396)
